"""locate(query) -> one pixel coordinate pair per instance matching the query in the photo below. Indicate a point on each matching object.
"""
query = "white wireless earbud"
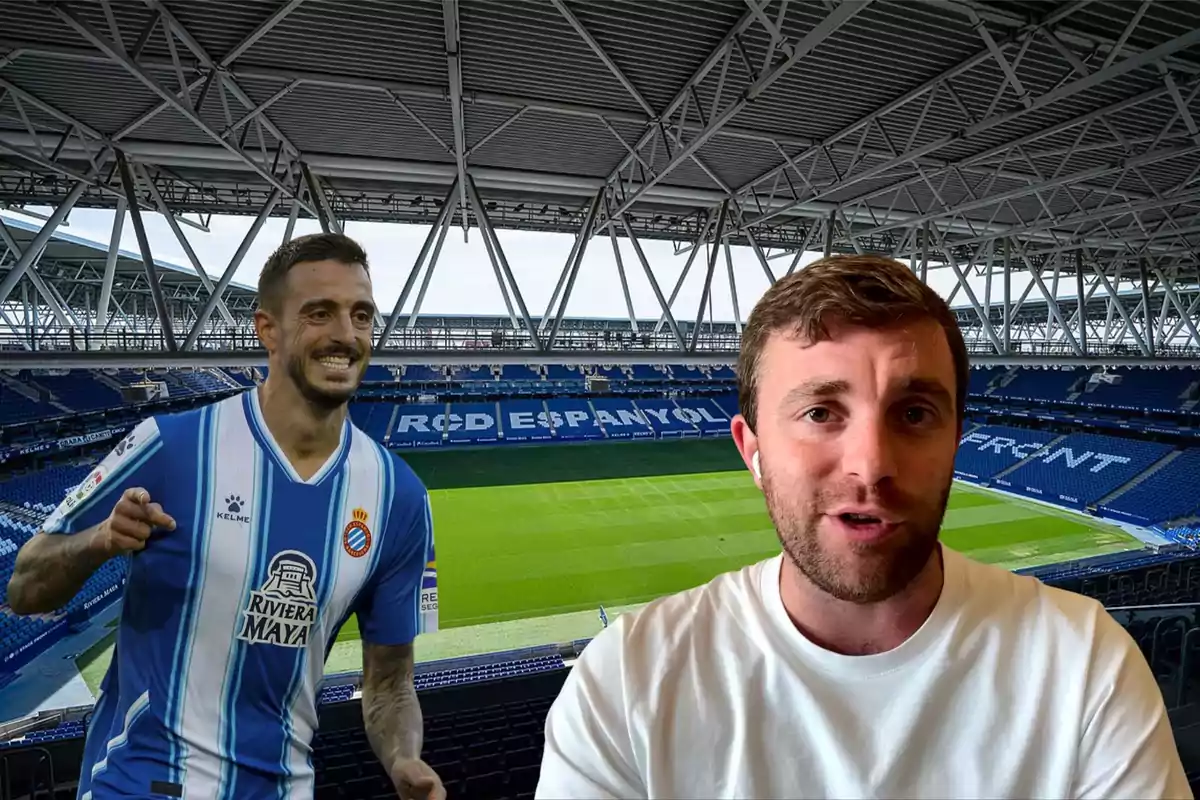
(757, 470)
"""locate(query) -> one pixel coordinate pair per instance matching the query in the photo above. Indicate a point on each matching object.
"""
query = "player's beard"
(318, 397)
(860, 573)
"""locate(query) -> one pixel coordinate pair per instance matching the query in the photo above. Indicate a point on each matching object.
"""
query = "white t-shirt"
(1011, 689)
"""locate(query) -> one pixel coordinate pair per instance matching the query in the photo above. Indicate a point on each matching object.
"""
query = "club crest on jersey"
(356, 537)
(283, 611)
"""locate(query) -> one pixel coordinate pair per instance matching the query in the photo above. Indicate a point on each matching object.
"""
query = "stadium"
(1037, 163)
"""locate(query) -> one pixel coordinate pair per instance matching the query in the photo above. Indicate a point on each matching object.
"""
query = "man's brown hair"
(862, 290)
(313, 247)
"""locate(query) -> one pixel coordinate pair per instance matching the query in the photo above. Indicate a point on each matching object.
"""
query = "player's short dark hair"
(313, 247)
(862, 290)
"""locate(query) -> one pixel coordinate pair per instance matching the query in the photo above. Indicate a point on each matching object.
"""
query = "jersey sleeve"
(589, 750)
(401, 601)
(1127, 747)
(133, 462)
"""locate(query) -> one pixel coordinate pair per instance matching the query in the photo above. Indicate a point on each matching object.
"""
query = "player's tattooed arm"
(52, 568)
(392, 717)
(50, 571)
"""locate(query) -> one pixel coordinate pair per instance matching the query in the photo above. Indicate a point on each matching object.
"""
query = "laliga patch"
(356, 538)
(89, 484)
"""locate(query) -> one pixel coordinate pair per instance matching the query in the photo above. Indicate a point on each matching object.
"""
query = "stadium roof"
(861, 97)
(1061, 133)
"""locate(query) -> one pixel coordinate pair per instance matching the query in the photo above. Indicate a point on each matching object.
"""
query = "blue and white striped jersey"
(228, 619)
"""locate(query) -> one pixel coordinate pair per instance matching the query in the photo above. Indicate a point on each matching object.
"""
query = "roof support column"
(585, 235)
(500, 261)
(57, 308)
(1147, 317)
(612, 235)
(447, 211)
(1120, 308)
(156, 196)
(737, 312)
(712, 265)
(316, 193)
(662, 301)
(433, 261)
(34, 250)
(504, 294)
(580, 236)
(708, 220)
(234, 263)
(1008, 320)
(1081, 302)
(454, 72)
(1185, 318)
(135, 214)
(110, 265)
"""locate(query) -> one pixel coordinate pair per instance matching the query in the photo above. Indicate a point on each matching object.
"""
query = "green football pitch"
(531, 540)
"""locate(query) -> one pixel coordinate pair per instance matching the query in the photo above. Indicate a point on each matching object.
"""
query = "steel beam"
(489, 232)
(695, 248)
(135, 215)
(35, 247)
(1185, 317)
(454, 71)
(612, 235)
(227, 275)
(662, 301)
(110, 265)
(262, 30)
(57, 310)
(712, 265)
(1147, 321)
(1053, 96)
(447, 210)
(117, 55)
(841, 14)
(226, 79)
(489, 246)
(737, 311)
(1007, 331)
(205, 280)
(966, 287)
(443, 229)
(316, 193)
(584, 237)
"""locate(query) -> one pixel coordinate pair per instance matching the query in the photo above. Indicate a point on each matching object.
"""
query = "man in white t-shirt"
(866, 660)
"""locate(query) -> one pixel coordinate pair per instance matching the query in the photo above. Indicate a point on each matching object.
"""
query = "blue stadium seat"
(1140, 389)
(987, 451)
(728, 403)
(982, 377)
(1168, 493)
(524, 421)
(1083, 468)
(374, 419)
(620, 420)
(418, 425)
(666, 419)
(472, 422)
(1042, 384)
(419, 373)
(377, 373)
(573, 419)
(705, 414)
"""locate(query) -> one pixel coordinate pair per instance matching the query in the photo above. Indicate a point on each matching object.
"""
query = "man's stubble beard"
(318, 399)
(879, 571)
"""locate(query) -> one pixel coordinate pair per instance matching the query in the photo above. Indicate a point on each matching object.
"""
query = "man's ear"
(747, 445)
(267, 330)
